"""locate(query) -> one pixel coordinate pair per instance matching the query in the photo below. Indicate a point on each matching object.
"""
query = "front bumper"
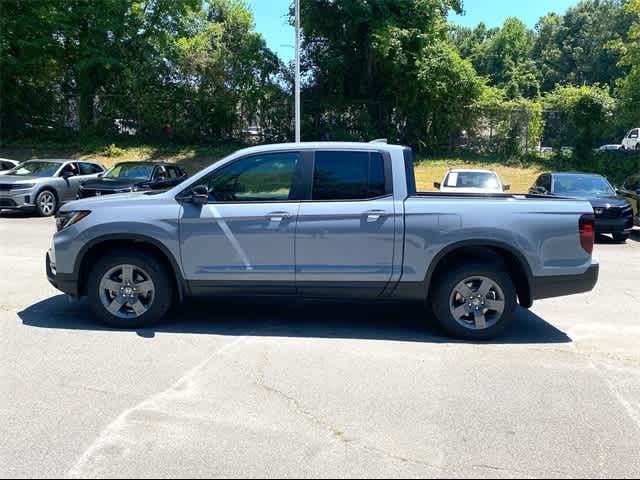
(614, 225)
(562, 285)
(66, 283)
(18, 199)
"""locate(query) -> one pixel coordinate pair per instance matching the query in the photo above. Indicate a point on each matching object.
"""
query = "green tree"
(629, 86)
(574, 48)
(586, 114)
(506, 60)
(369, 69)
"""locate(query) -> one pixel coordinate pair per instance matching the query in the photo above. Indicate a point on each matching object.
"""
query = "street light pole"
(297, 71)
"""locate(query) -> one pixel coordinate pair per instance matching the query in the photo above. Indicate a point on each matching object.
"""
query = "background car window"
(71, 168)
(634, 133)
(582, 184)
(160, 174)
(348, 176)
(545, 181)
(174, 173)
(264, 178)
(36, 169)
(483, 180)
(130, 170)
(89, 168)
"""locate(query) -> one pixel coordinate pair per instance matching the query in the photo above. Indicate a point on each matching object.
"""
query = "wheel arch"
(515, 264)
(100, 246)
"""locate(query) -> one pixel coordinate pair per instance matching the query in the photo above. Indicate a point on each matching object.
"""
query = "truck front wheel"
(474, 301)
(129, 290)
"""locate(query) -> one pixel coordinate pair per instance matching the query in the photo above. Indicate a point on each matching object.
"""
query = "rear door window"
(346, 175)
(89, 168)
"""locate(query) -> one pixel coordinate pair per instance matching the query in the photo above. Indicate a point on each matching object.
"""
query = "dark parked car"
(630, 191)
(613, 215)
(134, 177)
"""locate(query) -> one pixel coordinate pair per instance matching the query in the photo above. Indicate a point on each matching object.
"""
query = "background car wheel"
(474, 301)
(621, 237)
(46, 203)
(129, 290)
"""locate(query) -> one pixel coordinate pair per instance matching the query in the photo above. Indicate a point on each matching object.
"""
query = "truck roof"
(322, 145)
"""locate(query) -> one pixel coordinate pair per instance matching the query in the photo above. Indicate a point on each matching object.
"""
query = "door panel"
(345, 242)
(244, 238)
(239, 242)
(345, 234)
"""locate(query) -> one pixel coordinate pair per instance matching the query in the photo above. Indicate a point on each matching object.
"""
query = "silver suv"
(44, 185)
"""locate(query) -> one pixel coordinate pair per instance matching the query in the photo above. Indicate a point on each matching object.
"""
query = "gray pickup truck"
(322, 220)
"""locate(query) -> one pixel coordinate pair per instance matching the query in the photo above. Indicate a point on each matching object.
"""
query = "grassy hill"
(520, 174)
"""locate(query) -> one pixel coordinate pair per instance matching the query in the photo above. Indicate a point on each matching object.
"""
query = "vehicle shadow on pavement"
(407, 323)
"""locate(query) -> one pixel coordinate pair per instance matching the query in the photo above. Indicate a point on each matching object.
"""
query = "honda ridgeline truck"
(322, 220)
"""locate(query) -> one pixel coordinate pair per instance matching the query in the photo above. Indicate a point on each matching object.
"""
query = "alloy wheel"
(127, 291)
(47, 203)
(477, 303)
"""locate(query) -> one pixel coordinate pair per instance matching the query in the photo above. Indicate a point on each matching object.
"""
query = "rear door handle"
(277, 216)
(374, 215)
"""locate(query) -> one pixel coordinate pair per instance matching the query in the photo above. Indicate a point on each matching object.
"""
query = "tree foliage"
(197, 71)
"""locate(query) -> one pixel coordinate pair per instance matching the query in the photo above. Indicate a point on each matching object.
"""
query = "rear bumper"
(562, 285)
(66, 283)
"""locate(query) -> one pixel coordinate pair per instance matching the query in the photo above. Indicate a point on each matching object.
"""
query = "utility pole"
(297, 71)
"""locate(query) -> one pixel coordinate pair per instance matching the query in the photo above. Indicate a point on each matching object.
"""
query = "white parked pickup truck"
(471, 181)
(631, 141)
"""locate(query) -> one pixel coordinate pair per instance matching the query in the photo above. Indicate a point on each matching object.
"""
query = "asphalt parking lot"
(296, 390)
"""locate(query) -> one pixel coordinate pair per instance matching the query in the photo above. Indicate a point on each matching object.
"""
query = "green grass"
(520, 174)
(191, 158)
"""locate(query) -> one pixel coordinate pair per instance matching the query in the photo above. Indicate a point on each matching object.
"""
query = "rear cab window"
(349, 175)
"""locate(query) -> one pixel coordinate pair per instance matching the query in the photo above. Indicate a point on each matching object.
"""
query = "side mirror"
(100, 175)
(67, 175)
(542, 190)
(437, 185)
(506, 187)
(200, 195)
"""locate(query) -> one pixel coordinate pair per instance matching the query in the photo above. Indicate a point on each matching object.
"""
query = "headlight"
(65, 220)
(22, 186)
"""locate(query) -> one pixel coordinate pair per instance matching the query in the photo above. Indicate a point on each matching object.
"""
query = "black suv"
(613, 215)
(630, 191)
(134, 177)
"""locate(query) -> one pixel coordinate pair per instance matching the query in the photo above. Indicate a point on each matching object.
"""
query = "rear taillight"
(587, 232)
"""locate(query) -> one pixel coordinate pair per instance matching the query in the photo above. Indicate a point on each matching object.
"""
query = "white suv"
(631, 141)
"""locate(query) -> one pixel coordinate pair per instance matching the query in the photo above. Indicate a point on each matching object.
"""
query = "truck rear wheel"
(474, 301)
(130, 291)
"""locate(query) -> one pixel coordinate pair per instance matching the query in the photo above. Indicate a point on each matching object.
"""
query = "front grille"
(7, 202)
(5, 187)
(613, 212)
(85, 193)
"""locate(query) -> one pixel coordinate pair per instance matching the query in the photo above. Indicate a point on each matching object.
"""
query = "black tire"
(46, 203)
(621, 237)
(444, 286)
(162, 300)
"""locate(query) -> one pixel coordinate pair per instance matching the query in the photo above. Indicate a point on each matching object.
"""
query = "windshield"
(130, 171)
(582, 185)
(484, 180)
(35, 169)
